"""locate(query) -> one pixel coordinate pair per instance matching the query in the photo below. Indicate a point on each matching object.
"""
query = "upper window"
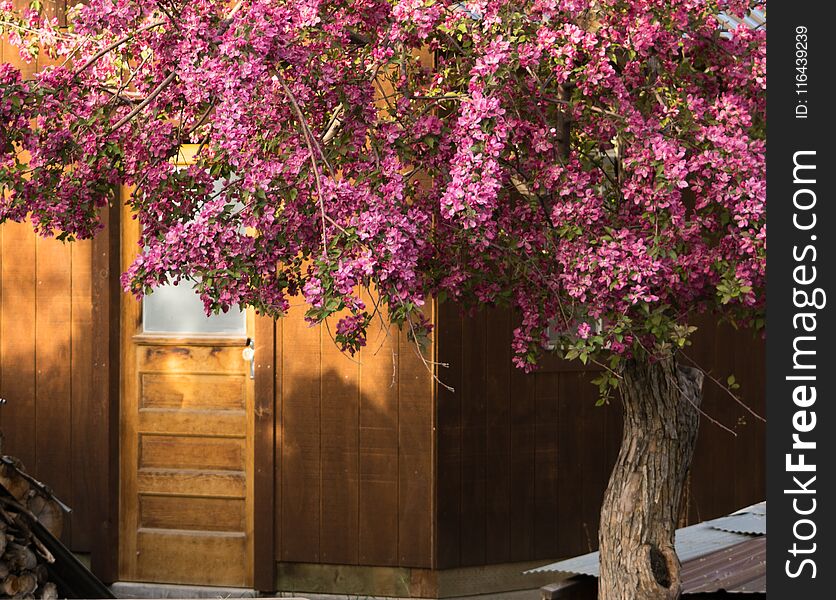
(177, 309)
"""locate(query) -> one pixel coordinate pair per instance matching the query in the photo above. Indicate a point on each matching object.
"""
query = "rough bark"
(639, 514)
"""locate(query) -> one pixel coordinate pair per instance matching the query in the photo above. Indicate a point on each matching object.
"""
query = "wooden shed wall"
(354, 449)
(523, 460)
(46, 364)
(54, 367)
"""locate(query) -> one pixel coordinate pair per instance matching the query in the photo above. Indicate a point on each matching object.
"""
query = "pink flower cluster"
(586, 162)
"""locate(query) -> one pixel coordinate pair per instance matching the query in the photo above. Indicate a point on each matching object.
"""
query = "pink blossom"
(412, 147)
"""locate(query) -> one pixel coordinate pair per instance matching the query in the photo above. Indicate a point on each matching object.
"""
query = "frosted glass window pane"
(178, 309)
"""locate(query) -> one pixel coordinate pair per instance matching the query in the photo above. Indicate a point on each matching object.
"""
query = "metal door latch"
(249, 354)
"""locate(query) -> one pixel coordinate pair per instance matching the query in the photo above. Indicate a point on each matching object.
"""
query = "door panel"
(187, 464)
(189, 555)
(186, 451)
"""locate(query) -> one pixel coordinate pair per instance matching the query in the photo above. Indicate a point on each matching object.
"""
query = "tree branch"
(113, 46)
(156, 92)
(308, 142)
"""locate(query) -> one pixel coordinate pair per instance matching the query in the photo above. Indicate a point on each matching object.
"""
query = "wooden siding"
(353, 449)
(523, 460)
(58, 366)
(46, 366)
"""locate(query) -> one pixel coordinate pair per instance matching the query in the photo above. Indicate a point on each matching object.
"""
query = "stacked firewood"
(23, 556)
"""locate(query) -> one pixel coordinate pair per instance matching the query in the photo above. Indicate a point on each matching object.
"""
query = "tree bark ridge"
(661, 402)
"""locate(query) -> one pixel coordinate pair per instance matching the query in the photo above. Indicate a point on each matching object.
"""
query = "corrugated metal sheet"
(756, 586)
(740, 569)
(756, 19)
(749, 521)
(691, 542)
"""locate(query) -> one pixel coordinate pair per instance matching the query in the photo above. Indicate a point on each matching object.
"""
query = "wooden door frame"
(264, 456)
(107, 297)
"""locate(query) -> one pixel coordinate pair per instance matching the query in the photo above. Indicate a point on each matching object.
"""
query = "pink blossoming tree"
(598, 164)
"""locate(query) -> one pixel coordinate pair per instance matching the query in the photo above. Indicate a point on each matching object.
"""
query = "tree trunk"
(641, 504)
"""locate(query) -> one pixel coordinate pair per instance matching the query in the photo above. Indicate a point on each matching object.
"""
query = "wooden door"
(186, 501)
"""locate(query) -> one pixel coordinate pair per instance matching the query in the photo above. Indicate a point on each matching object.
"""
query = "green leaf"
(332, 305)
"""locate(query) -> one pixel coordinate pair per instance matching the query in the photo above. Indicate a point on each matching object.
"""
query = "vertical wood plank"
(708, 459)
(615, 427)
(2, 361)
(264, 446)
(722, 408)
(51, 9)
(595, 473)
(378, 439)
(27, 69)
(572, 391)
(546, 433)
(18, 342)
(522, 418)
(474, 443)
(415, 456)
(130, 322)
(704, 462)
(104, 408)
(339, 448)
(498, 410)
(749, 356)
(53, 333)
(301, 469)
(448, 437)
(278, 448)
(721, 350)
(84, 470)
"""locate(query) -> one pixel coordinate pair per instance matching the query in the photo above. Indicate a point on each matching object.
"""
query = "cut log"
(48, 591)
(47, 511)
(27, 583)
(13, 481)
(42, 573)
(9, 586)
(20, 558)
(20, 523)
(19, 585)
(35, 496)
(30, 518)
